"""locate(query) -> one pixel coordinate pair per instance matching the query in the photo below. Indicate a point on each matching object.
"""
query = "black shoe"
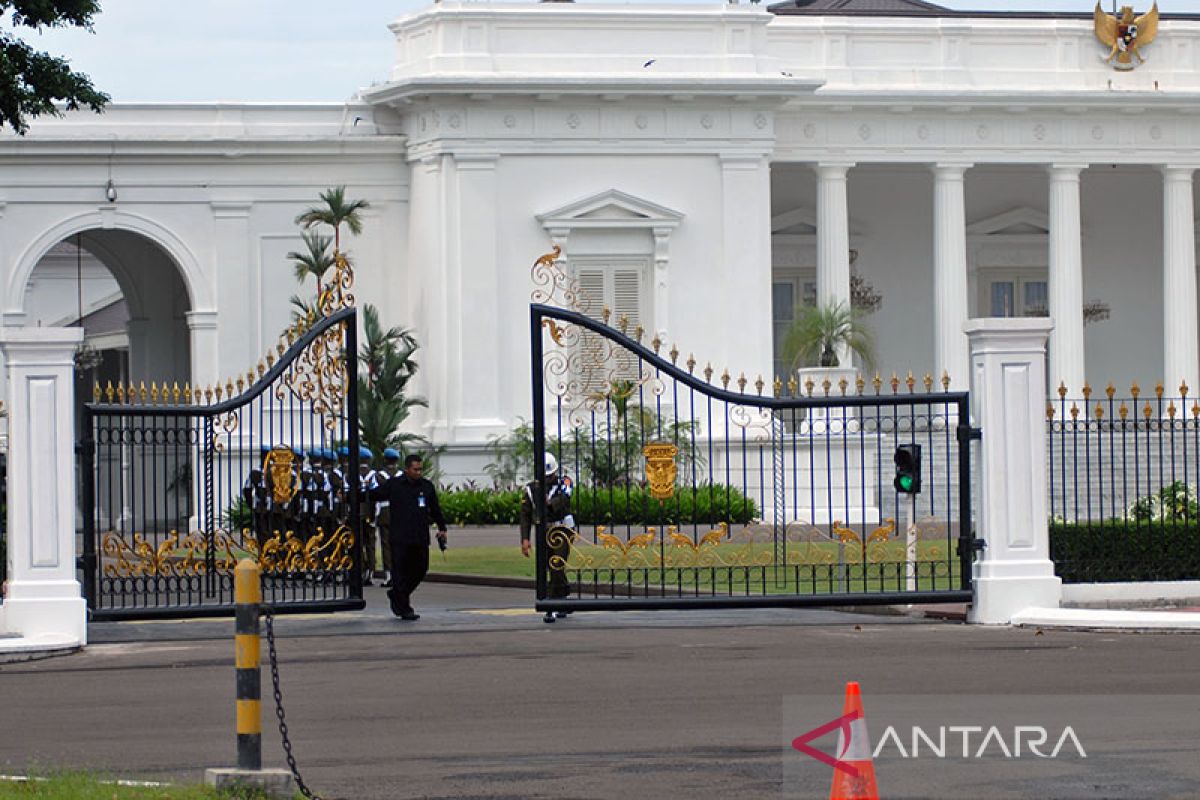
(387, 584)
(563, 614)
(368, 582)
(410, 616)
(549, 617)
(397, 609)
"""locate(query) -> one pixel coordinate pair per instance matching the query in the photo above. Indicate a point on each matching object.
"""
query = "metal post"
(87, 468)
(247, 593)
(542, 556)
(352, 481)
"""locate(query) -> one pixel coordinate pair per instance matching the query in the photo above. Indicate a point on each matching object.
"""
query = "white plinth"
(43, 602)
(1008, 396)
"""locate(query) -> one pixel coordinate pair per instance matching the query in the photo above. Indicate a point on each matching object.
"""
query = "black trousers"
(410, 562)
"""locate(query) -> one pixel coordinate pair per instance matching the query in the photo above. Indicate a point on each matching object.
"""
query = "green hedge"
(1114, 551)
(706, 505)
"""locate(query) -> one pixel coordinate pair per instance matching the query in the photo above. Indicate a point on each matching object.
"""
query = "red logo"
(842, 723)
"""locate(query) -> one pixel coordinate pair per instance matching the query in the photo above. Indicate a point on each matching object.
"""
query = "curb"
(948, 612)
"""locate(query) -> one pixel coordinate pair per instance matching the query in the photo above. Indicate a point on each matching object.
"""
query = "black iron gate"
(685, 493)
(180, 484)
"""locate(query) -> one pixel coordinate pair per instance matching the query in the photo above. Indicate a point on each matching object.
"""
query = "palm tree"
(335, 212)
(383, 401)
(315, 261)
(820, 331)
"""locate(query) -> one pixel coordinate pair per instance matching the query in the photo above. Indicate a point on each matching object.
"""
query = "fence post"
(43, 603)
(1008, 401)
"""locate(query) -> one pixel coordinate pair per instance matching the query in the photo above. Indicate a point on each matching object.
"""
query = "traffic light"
(908, 469)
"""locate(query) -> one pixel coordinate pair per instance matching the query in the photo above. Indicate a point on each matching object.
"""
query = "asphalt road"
(481, 699)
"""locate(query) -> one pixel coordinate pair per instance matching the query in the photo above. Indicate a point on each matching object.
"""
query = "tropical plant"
(820, 331)
(314, 260)
(608, 454)
(336, 212)
(384, 404)
(1175, 502)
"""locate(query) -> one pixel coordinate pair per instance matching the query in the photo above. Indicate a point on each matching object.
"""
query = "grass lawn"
(84, 786)
(727, 568)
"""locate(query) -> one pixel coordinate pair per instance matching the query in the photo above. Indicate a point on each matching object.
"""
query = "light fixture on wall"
(87, 358)
(110, 191)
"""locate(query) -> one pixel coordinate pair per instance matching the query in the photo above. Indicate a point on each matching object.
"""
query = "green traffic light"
(906, 482)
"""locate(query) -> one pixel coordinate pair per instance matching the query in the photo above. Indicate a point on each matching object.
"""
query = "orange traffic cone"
(854, 774)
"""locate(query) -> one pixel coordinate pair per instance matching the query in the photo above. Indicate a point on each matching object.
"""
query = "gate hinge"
(966, 433)
(976, 545)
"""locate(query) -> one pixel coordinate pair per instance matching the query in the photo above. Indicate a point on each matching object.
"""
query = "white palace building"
(705, 169)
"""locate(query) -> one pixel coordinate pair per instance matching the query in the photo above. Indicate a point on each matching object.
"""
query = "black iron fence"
(1123, 473)
(689, 487)
(178, 485)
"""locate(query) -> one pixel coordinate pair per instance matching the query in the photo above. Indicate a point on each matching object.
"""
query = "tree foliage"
(32, 83)
(384, 403)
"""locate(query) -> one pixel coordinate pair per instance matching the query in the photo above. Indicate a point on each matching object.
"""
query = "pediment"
(1023, 221)
(797, 222)
(802, 221)
(612, 208)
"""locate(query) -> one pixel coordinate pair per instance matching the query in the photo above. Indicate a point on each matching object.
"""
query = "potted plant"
(812, 346)
(820, 332)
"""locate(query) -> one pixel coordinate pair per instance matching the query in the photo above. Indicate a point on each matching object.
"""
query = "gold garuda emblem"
(278, 469)
(660, 469)
(1126, 34)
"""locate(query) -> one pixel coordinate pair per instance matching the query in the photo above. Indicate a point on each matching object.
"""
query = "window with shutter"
(617, 285)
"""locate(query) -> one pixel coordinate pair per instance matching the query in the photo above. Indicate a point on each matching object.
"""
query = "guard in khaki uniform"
(366, 512)
(558, 490)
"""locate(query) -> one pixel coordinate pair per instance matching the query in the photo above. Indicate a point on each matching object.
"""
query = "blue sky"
(160, 50)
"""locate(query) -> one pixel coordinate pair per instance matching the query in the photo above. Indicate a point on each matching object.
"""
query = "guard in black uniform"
(412, 505)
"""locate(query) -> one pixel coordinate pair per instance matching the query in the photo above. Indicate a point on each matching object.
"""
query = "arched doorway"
(128, 295)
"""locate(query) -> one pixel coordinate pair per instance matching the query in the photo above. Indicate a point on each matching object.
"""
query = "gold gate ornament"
(278, 468)
(660, 469)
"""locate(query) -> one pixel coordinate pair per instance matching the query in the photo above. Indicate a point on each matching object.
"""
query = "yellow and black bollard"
(247, 597)
(249, 773)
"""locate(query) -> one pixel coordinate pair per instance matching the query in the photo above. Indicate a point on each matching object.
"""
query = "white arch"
(198, 289)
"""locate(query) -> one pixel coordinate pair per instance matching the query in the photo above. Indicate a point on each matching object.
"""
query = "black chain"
(269, 619)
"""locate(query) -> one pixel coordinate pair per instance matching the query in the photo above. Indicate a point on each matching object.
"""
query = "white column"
(950, 274)
(746, 242)
(202, 329)
(1008, 401)
(43, 604)
(239, 286)
(483, 376)
(1181, 359)
(833, 239)
(1066, 278)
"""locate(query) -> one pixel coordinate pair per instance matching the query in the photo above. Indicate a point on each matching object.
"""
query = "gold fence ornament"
(279, 467)
(660, 469)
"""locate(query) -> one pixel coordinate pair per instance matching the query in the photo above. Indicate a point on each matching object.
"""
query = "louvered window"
(617, 285)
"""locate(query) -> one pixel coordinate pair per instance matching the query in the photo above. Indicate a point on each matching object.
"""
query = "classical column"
(950, 274)
(43, 604)
(202, 330)
(833, 237)
(1008, 401)
(1181, 359)
(481, 374)
(746, 217)
(1066, 279)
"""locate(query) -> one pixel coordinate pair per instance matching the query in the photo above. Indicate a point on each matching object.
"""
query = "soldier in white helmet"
(558, 490)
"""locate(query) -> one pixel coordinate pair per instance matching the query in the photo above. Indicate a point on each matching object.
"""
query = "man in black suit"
(412, 504)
